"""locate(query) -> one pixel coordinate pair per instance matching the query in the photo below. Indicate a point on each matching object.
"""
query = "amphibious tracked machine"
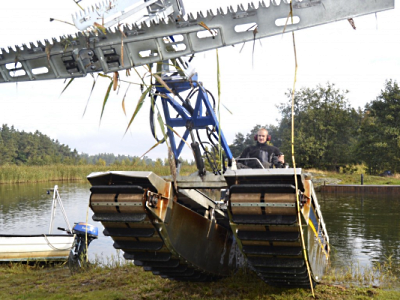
(175, 226)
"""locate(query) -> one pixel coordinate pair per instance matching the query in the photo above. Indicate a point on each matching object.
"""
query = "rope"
(86, 235)
(53, 247)
(294, 161)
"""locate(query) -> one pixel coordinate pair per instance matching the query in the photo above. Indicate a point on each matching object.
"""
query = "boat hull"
(43, 247)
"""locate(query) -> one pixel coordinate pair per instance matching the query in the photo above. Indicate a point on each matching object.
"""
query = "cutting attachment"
(168, 38)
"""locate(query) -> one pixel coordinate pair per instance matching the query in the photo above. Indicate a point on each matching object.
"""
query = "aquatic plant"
(381, 274)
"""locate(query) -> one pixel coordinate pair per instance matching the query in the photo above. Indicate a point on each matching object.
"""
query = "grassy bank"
(125, 281)
(23, 174)
(319, 177)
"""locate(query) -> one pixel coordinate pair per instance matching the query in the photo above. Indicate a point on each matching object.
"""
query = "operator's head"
(262, 135)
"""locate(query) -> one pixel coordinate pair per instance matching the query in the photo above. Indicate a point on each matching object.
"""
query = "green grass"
(355, 178)
(60, 172)
(126, 281)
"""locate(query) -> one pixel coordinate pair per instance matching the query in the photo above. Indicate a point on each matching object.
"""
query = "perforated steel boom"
(76, 56)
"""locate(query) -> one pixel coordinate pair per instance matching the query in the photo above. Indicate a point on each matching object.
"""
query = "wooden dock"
(360, 189)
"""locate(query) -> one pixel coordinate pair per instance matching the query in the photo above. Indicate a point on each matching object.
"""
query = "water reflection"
(26, 209)
(362, 229)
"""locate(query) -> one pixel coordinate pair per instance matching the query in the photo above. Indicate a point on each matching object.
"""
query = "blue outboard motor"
(82, 228)
(78, 254)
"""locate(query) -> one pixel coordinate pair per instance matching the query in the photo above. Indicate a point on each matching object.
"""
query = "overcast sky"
(356, 60)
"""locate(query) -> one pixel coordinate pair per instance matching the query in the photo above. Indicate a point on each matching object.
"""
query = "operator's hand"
(281, 158)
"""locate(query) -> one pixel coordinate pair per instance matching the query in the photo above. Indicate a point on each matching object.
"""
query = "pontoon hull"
(185, 235)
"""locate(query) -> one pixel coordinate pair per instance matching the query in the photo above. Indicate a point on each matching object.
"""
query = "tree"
(379, 143)
(100, 162)
(325, 127)
(9, 147)
(32, 148)
(158, 163)
(238, 144)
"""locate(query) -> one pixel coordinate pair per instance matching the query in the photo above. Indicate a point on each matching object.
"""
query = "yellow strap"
(319, 240)
(294, 162)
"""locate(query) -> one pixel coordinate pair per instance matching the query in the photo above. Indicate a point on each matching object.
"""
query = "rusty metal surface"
(198, 240)
(141, 178)
(155, 231)
(178, 236)
(194, 181)
(264, 176)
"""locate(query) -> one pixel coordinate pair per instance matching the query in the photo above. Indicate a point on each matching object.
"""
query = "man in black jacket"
(267, 155)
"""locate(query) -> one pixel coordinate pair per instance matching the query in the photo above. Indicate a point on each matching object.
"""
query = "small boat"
(48, 247)
(37, 247)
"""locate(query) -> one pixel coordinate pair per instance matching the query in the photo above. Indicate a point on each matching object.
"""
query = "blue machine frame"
(199, 119)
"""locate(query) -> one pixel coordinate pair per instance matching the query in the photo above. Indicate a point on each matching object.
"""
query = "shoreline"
(58, 172)
(372, 189)
(126, 281)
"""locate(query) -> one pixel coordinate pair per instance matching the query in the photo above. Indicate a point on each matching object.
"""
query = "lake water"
(362, 229)
(26, 209)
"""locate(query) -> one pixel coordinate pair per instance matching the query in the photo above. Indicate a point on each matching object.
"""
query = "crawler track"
(121, 209)
(264, 218)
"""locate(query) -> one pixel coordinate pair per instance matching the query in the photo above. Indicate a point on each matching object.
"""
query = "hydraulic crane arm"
(89, 52)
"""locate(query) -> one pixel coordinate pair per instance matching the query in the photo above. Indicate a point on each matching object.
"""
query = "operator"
(269, 156)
